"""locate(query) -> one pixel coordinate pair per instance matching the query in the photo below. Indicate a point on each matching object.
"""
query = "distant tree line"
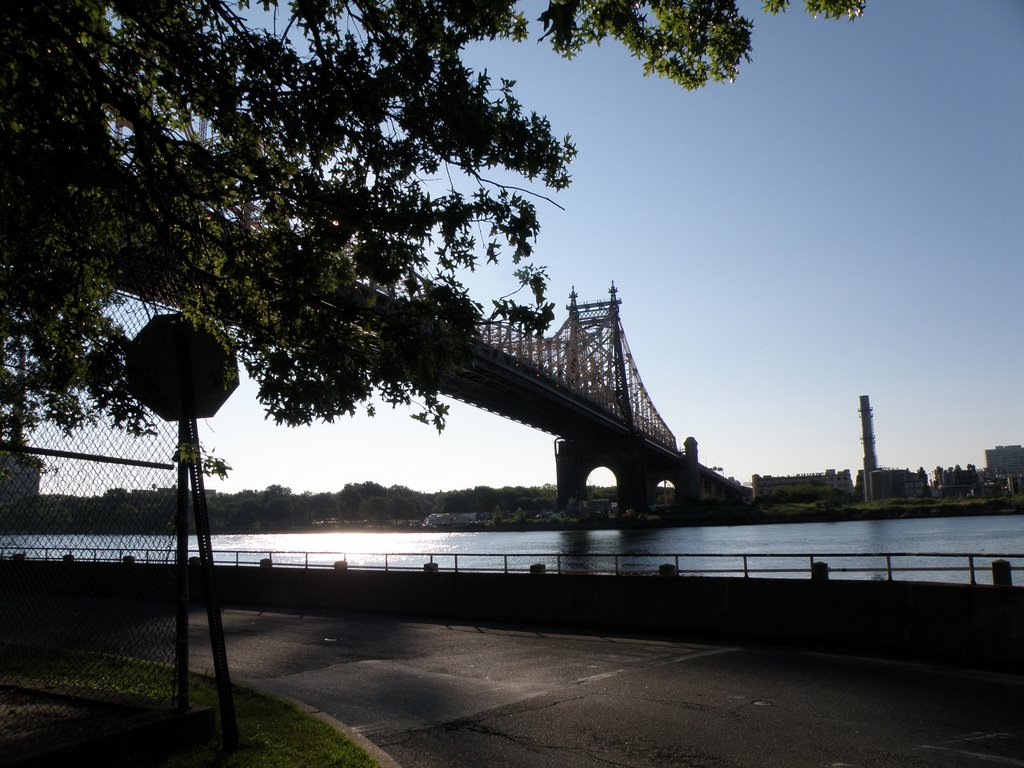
(369, 503)
(275, 508)
(809, 493)
(116, 511)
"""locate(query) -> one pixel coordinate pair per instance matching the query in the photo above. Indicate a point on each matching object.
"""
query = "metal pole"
(181, 529)
(189, 431)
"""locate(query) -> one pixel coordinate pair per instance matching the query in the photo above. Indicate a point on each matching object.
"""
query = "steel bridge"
(582, 386)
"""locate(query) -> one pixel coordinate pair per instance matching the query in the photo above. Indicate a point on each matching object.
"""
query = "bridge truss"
(589, 356)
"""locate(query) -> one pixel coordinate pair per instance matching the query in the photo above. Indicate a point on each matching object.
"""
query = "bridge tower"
(598, 362)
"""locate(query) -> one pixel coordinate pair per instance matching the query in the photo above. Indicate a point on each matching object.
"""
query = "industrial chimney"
(868, 438)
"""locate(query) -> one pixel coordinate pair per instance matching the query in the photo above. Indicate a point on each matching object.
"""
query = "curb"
(383, 759)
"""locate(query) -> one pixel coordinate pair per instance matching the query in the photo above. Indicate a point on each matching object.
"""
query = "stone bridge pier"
(638, 470)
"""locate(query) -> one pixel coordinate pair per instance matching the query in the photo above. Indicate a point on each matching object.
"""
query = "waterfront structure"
(1005, 461)
(956, 482)
(764, 485)
(442, 519)
(888, 483)
(868, 438)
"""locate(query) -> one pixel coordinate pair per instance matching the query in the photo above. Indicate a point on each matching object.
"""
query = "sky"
(844, 219)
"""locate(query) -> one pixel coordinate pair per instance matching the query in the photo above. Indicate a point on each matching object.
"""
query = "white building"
(764, 485)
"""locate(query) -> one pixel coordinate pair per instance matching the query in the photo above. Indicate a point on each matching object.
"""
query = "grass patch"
(272, 734)
(59, 668)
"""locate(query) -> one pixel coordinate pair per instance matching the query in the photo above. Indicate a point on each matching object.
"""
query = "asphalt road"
(435, 695)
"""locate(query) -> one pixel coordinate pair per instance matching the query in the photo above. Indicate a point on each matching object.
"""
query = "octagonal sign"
(152, 363)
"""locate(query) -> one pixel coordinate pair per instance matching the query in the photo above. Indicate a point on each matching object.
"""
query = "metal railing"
(949, 567)
(88, 554)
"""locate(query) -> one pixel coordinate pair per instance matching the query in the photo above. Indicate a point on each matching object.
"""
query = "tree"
(271, 172)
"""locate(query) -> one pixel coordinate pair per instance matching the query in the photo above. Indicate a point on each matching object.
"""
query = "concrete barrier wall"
(979, 626)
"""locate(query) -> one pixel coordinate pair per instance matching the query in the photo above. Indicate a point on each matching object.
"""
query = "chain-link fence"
(88, 584)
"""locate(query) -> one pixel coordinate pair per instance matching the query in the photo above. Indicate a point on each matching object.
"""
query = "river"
(776, 549)
(934, 549)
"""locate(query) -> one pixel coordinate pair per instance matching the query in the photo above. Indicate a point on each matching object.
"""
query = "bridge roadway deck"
(434, 694)
(500, 384)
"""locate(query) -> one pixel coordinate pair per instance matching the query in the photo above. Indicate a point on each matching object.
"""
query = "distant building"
(19, 477)
(1005, 461)
(955, 483)
(442, 519)
(763, 485)
(898, 484)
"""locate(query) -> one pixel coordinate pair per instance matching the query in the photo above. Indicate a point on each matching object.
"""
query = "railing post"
(456, 563)
(505, 561)
(970, 564)
(558, 564)
(888, 567)
(616, 565)
(1002, 573)
(385, 562)
(746, 569)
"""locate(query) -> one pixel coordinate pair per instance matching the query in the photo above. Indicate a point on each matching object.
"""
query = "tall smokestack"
(868, 438)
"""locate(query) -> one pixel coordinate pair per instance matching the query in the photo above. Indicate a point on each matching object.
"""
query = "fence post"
(1002, 573)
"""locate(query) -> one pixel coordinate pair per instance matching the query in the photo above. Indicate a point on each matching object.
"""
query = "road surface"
(435, 694)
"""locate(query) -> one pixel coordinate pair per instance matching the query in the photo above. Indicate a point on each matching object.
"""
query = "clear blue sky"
(844, 219)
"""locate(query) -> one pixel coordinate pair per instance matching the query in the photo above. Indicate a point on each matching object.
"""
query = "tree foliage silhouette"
(311, 181)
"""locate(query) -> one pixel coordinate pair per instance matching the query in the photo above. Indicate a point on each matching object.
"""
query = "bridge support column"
(576, 459)
(570, 477)
(633, 481)
(691, 472)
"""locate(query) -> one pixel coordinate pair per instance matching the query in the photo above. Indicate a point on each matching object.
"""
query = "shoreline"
(698, 520)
